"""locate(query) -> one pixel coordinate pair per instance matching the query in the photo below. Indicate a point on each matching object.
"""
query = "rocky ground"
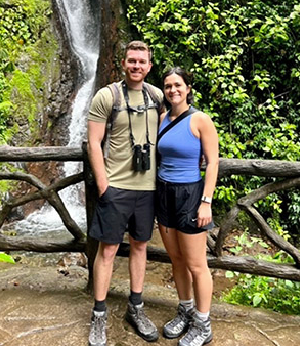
(43, 301)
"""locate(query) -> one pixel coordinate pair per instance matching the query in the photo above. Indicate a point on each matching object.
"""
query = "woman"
(184, 206)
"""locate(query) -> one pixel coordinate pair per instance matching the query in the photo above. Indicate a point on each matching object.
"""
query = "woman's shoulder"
(197, 114)
(201, 121)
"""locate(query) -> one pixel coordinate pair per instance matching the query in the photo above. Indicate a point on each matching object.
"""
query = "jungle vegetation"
(245, 60)
(27, 46)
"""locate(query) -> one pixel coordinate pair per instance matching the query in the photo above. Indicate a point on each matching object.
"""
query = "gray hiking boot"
(97, 335)
(179, 324)
(146, 329)
(199, 333)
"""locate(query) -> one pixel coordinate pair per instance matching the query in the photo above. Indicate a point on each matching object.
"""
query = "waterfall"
(82, 29)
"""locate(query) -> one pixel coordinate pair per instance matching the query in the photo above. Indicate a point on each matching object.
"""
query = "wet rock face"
(61, 88)
(62, 83)
(64, 77)
(62, 74)
(41, 304)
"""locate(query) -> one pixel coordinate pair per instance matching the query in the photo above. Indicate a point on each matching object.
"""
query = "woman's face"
(175, 89)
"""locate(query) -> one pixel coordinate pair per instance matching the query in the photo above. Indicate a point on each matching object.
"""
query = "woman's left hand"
(204, 214)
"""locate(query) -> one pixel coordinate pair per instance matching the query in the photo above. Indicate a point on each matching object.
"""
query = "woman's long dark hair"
(187, 80)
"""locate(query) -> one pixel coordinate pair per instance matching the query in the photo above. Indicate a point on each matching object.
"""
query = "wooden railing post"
(91, 197)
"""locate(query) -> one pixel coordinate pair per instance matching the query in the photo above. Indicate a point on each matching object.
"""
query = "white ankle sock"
(187, 304)
(202, 315)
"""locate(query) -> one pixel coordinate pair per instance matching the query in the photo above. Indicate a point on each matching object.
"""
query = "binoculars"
(141, 157)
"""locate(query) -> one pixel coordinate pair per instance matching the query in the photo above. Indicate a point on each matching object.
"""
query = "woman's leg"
(181, 274)
(193, 251)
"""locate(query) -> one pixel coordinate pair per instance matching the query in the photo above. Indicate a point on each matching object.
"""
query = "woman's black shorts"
(177, 205)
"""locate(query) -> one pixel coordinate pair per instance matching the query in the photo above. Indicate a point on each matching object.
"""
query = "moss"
(49, 124)
(31, 51)
(27, 63)
(23, 96)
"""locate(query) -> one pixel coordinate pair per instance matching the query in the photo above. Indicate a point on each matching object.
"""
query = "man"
(125, 185)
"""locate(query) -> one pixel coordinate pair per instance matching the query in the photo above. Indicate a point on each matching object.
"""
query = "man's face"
(136, 65)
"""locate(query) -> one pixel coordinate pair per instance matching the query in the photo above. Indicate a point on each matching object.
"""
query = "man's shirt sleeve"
(101, 106)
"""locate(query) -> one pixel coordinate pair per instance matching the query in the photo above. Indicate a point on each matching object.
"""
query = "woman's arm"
(203, 127)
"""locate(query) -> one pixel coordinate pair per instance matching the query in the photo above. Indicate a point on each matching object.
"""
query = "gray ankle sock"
(202, 315)
(187, 304)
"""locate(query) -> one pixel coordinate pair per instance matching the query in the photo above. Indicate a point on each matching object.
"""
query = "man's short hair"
(137, 45)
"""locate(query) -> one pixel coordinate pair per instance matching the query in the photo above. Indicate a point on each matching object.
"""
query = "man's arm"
(96, 131)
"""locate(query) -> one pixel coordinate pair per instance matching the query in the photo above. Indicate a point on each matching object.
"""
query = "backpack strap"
(115, 91)
(116, 108)
(151, 91)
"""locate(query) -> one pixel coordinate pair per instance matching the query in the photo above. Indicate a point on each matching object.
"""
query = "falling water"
(82, 29)
(84, 39)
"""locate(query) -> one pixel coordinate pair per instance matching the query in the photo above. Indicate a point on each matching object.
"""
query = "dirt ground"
(43, 300)
(44, 305)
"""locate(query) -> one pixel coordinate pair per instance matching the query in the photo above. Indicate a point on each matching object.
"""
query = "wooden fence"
(287, 174)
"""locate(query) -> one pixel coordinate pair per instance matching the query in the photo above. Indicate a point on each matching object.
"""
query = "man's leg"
(103, 267)
(135, 312)
(137, 264)
(140, 228)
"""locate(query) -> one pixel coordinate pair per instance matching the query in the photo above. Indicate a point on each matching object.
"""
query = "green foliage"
(21, 86)
(6, 258)
(6, 185)
(258, 291)
(244, 62)
(26, 57)
(244, 241)
(270, 293)
(24, 30)
(245, 59)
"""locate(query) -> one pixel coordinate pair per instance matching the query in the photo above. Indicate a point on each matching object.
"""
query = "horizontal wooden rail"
(290, 171)
(227, 167)
(36, 154)
(244, 264)
(9, 243)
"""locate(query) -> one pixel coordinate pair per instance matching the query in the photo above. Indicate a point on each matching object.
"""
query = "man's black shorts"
(178, 204)
(119, 210)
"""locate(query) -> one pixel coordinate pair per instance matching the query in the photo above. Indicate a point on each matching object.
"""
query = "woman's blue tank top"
(180, 153)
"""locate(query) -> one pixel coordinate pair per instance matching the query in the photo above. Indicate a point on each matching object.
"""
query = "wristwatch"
(206, 199)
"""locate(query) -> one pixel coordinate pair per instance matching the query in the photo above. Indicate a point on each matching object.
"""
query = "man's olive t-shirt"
(118, 165)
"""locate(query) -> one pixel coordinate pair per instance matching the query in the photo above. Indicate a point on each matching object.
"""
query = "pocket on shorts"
(104, 198)
(181, 200)
(189, 220)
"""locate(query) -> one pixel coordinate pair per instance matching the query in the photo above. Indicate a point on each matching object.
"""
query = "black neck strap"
(183, 115)
(130, 110)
